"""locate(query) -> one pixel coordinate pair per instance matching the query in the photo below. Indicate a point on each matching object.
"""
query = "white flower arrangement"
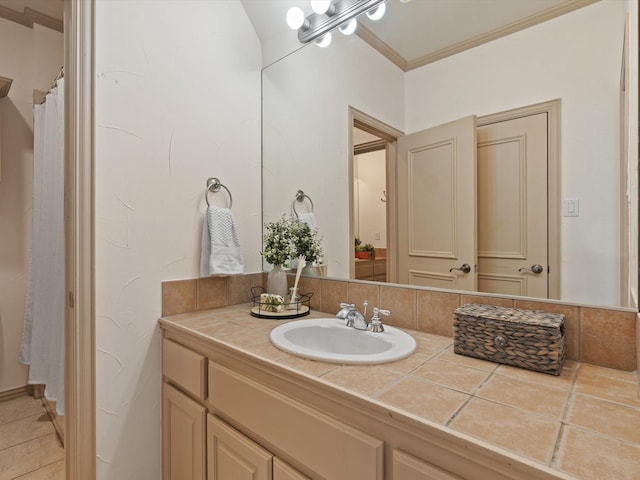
(287, 238)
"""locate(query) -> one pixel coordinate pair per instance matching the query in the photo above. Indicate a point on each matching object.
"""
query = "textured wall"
(177, 101)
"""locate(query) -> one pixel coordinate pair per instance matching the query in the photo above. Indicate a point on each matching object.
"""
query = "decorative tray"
(289, 311)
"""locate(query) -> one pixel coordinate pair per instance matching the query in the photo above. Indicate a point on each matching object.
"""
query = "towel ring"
(300, 196)
(214, 185)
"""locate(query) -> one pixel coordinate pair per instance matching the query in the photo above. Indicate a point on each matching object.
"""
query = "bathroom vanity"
(235, 407)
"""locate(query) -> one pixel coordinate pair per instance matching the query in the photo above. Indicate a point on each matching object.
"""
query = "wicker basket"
(530, 339)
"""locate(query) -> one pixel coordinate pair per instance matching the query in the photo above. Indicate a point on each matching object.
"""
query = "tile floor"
(29, 446)
(585, 422)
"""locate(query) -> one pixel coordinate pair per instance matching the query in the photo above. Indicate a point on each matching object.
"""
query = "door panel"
(183, 433)
(436, 205)
(282, 471)
(501, 198)
(232, 456)
(512, 206)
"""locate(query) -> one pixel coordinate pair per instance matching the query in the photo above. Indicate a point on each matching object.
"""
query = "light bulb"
(295, 18)
(320, 6)
(324, 41)
(378, 12)
(349, 27)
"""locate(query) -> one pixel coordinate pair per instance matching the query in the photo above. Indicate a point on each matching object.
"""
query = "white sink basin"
(330, 340)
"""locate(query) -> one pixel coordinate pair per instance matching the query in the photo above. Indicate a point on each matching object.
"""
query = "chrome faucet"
(376, 321)
(345, 309)
(357, 320)
(354, 318)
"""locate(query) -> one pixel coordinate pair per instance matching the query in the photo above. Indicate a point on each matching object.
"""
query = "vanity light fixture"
(328, 15)
(378, 12)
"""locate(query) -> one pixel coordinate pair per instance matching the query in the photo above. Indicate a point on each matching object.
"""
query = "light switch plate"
(571, 207)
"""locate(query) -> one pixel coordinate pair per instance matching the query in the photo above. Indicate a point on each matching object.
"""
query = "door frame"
(389, 134)
(552, 109)
(80, 403)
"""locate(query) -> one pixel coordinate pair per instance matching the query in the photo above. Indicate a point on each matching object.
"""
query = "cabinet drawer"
(333, 450)
(407, 467)
(185, 368)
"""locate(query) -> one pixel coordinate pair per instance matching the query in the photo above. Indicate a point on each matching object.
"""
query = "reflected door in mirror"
(437, 206)
(512, 207)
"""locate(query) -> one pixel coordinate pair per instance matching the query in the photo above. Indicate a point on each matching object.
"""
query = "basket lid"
(515, 315)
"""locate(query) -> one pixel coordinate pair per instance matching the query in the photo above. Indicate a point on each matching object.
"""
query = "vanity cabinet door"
(407, 467)
(183, 436)
(232, 456)
(282, 471)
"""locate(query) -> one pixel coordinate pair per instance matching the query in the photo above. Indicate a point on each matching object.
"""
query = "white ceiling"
(420, 31)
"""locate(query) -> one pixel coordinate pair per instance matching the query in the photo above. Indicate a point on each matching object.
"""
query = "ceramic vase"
(277, 281)
(314, 270)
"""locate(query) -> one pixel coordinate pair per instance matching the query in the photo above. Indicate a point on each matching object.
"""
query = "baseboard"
(16, 392)
(56, 420)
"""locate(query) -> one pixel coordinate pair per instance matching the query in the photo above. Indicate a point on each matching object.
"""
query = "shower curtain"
(43, 336)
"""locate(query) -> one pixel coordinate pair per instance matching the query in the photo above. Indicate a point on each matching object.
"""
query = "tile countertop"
(584, 423)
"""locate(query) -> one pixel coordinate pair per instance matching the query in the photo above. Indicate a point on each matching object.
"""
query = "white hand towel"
(221, 253)
(309, 219)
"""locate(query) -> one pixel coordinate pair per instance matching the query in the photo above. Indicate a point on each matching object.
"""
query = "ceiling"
(430, 29)
(411, 34)
(48, 13)
(51, 8)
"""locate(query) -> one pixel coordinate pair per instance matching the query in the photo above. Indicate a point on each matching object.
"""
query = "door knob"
(464, 268)
(535, 268)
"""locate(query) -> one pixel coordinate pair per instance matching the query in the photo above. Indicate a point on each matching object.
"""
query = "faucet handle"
(376, 322)
(345, 309)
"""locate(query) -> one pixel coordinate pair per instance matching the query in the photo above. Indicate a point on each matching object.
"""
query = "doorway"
(373, 142)
(369, 205)
(80, 404)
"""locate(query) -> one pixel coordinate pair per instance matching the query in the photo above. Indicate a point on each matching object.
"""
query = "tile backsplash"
(601, 336)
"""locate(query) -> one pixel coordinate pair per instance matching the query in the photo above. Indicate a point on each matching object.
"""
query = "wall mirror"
(577, 60)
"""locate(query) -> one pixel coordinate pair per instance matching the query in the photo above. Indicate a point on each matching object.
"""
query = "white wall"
(306, 99)
(21, 52)
(577, 58)
(177, 101)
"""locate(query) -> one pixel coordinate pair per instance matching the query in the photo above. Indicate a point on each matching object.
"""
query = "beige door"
(437, 206)
(512, 207)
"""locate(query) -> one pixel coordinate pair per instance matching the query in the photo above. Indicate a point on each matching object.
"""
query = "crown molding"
(407, 65)
(394, 57)
(29, 16)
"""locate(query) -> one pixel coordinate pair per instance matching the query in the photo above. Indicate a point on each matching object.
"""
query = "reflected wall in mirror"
(576, 58)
